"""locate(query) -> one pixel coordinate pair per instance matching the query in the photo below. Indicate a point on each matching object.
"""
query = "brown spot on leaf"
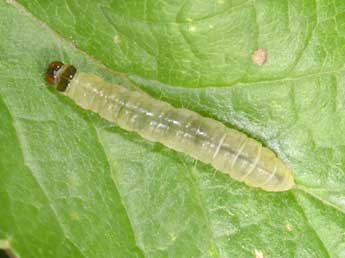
(259, 56)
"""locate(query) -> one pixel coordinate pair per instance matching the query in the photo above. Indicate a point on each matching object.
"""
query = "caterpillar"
(207, 140)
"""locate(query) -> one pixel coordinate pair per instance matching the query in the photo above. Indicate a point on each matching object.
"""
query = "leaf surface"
(74, 185)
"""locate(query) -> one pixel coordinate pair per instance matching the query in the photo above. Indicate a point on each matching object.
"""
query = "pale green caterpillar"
(204, 139)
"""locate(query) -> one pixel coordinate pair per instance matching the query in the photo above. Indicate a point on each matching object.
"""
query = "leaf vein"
(43, 190)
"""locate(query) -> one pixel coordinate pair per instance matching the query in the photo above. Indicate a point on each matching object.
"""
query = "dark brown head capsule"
(60, 75)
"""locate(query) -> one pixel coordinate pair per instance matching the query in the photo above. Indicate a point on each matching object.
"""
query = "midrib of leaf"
(123, 204)
(310, 226)
(205, 211)
(26, 164)
(308, 191)
(292, 78)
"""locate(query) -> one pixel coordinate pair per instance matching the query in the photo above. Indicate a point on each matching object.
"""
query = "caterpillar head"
(59, 75)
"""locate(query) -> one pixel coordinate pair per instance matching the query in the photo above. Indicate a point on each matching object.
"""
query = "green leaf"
(74, 185)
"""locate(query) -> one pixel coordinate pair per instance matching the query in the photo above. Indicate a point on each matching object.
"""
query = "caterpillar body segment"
(207, 140)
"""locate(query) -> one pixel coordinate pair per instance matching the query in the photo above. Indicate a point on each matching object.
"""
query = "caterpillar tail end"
(60, 75)
(286, 184)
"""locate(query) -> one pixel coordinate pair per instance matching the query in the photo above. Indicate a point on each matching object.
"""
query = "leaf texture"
(73, 185)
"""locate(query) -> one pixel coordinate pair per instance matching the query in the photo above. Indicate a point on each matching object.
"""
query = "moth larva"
(204, 139)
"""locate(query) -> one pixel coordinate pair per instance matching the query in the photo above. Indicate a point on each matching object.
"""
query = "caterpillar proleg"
(207, 140)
